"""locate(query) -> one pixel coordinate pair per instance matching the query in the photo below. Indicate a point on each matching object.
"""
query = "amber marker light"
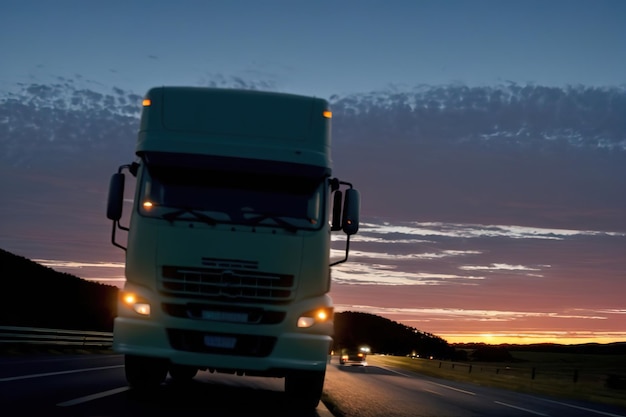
(327, 114)
(146, 102)
(147, 205)
(129, 299)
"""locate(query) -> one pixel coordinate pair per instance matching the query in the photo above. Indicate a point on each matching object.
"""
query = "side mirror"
(116, 197)
(351, 209)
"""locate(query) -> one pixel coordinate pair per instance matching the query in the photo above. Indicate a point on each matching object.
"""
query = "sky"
(316, 48)
(461, 280)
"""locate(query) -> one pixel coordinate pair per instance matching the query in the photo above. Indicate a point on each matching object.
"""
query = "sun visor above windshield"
(225, 164)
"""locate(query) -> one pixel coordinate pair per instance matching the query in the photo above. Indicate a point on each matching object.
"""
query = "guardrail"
(12, 335)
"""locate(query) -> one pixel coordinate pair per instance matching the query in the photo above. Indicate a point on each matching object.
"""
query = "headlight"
(139, 305)
(319, 315)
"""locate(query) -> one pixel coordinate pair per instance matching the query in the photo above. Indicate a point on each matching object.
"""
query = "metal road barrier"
(39, 336)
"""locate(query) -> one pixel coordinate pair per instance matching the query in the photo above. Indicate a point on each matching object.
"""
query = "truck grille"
(234, 284)
(244, 345)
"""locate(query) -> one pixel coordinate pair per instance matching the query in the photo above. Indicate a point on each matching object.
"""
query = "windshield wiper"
(174, 215)
(278, 219)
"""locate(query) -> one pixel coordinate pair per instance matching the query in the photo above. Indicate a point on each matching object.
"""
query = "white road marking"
(522, 409)
(92, 397)
(73, 371)
(395, 372)
(604, 413)
(454, 389)
(441, 385)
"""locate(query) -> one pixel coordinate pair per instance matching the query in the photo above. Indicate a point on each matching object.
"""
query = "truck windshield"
(175, 193)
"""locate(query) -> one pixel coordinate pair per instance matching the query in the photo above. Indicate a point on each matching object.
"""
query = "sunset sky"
(464, 278)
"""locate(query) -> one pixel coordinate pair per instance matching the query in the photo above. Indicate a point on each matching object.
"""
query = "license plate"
(222, 342)
(225, 316)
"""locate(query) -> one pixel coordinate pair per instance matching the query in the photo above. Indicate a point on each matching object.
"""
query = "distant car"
(354, 356)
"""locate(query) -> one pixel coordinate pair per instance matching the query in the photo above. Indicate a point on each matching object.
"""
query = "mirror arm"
(116, 225)
(334, 184)
(132, 168)
(119, 226)
(347, 251)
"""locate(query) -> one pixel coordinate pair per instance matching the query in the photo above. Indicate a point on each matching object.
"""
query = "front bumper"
(291, 351)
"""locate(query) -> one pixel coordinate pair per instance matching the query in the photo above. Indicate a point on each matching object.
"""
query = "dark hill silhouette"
(353, 329)
(37, 296)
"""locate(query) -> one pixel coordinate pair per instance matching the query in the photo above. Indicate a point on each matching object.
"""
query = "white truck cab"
(228, 242)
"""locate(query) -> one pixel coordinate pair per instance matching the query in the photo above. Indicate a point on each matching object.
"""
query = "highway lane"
(377, 391)
(94, 385)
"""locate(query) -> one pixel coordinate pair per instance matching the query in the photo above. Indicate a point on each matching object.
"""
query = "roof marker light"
(146, 102)
(327, 114)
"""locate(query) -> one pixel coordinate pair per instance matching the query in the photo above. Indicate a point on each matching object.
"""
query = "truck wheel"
(182, 373)
(304, 388)
(144, 373)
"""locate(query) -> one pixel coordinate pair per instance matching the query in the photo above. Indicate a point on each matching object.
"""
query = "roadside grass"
(595, 378)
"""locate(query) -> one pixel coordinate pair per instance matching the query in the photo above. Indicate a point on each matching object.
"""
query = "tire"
(304, 388)
(182, 373)
(143, 372)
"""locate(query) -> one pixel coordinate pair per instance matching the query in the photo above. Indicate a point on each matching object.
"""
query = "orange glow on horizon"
(532, 338)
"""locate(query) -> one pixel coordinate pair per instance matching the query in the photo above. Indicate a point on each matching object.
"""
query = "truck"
(228, 242)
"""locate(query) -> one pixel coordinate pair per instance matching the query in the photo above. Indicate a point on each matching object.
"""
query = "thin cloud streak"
(381, 274)
(470, 315)
(73, 264)
(458, 230)
(119, 280)
(535, 336)
(501, 267)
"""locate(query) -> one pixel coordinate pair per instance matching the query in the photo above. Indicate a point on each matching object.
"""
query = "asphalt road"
(94, 385)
